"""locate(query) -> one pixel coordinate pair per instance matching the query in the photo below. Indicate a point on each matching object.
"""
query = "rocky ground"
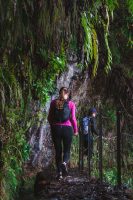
(76, 186)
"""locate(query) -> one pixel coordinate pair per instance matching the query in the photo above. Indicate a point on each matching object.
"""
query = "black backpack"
(62, 115)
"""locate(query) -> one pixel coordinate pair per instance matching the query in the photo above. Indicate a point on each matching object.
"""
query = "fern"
(130, 6)
(109, 54)
(95, 51)
(91, 42)
(112, 4)
(88, 36)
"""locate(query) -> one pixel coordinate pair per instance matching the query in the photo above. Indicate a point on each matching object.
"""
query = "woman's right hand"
(75, 134)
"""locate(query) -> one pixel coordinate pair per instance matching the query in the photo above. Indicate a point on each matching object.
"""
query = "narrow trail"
(74, 187)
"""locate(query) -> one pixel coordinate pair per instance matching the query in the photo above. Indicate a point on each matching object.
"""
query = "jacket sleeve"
(73, 118)
(93, 126)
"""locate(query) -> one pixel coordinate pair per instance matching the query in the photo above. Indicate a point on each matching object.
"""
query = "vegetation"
(35, 36)
(110, 148)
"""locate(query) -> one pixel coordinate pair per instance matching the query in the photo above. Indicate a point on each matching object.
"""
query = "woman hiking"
(63, 124)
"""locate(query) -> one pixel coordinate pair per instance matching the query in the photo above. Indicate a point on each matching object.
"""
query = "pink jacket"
(71, 122)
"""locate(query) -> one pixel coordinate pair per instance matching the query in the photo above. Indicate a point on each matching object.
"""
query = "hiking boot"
(64, 169)
(59, 176)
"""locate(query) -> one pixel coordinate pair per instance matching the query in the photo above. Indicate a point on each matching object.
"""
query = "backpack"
(85, 125)
(63, 114)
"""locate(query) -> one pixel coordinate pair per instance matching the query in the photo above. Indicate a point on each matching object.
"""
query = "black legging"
(62, 135)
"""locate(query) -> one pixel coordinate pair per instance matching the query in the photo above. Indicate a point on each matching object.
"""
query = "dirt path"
(74, 187)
